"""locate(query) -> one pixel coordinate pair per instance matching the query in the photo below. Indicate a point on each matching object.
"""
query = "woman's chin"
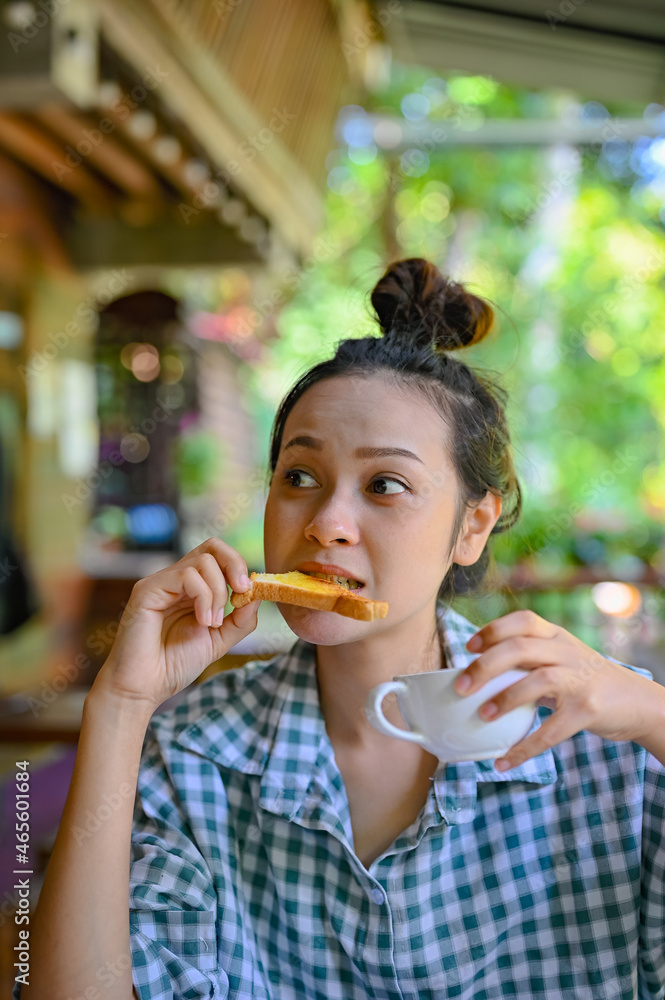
(323, 628)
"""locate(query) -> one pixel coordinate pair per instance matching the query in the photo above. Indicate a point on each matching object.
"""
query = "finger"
(164, 590)
(520, 652)
(235, 626)
(554, 730)
(211, 572)
(195, 587)
(522, 622)
(544, 682)
(231, 563)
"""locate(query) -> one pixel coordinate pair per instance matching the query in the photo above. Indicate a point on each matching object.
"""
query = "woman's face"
(386, 519)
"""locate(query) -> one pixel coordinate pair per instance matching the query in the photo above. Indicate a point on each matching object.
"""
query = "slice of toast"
(310, 592)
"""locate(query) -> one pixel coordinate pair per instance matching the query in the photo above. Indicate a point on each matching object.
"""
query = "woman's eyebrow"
(306, 441)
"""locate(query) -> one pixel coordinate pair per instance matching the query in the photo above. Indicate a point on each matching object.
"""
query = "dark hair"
(423, 315)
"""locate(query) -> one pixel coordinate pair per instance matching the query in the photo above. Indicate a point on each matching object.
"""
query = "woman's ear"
(478, 523)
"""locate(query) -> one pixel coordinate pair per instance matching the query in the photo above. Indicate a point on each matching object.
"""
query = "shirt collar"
(275, 728)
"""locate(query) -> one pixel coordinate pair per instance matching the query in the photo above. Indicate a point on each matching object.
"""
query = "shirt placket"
(368, 940)
(452, 801)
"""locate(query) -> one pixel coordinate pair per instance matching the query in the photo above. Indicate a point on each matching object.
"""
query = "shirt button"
(376, 895)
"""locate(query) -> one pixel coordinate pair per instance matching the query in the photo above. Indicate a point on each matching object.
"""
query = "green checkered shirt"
(544, 882)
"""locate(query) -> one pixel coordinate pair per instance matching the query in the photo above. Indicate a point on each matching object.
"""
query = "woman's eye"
(388, 479)
(292, 473)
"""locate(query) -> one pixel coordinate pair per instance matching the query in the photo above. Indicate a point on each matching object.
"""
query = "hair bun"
(415, 297)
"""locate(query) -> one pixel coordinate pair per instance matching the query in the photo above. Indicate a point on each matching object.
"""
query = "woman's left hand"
(586, 690)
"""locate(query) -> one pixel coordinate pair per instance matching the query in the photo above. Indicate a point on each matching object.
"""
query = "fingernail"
(220, 617)
(489, 710)
(209, 618)
(502, 764)
(462, 683)
(245, 581)
(475, 642)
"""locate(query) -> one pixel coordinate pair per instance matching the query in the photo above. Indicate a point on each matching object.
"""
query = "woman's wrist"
(103, 697)
(652, 737)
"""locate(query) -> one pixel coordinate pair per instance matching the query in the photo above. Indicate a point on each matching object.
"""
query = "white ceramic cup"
(447, 724)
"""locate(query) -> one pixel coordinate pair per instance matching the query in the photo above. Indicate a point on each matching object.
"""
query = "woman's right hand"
(173, 625)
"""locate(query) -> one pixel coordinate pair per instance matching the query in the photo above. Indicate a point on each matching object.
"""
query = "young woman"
(278, 845)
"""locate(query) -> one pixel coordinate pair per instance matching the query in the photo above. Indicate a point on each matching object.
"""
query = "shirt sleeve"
(651, 958)
(651, 948)
(172, 898)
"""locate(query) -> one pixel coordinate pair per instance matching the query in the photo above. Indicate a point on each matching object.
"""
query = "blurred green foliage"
(572, 258)
(198, 462)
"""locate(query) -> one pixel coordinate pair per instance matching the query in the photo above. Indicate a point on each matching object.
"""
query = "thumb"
(236, 625)
(246, 617)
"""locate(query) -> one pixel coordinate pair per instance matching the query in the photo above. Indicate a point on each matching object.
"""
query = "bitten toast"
(310, 592)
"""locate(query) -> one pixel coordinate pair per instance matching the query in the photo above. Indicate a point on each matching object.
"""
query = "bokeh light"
(387, 134)
(127, 353)
(145, 364)
(134, 448)
(340, 180)
(414, 162)
(357, 131)
(435, 207)
(172, 369)
(363, 154)
(621, 600)
(415, 107)
(151, 523)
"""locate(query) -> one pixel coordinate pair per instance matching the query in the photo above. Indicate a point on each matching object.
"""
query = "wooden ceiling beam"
(28, 144)
(108, 156)
(173, 173)
(107, 242)
(200, 91)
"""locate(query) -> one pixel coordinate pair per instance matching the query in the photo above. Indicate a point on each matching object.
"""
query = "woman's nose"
(334, 520)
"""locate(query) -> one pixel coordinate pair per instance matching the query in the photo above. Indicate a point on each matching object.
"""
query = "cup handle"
(375, 714)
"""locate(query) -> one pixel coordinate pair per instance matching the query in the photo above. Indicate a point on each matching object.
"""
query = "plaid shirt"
(545, 882)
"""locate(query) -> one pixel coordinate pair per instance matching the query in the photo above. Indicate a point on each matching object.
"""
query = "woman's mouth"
(354, 585)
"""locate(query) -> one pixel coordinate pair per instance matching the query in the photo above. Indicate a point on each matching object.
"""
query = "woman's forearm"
(79, 941)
